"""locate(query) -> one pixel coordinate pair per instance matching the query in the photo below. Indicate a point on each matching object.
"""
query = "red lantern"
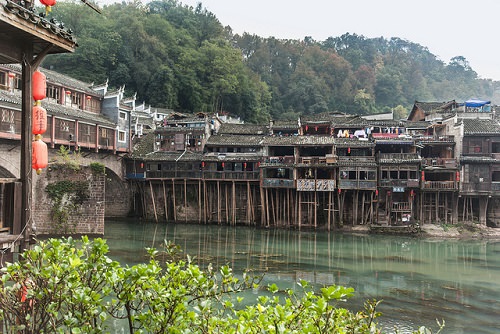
(348, 150)
(244, 165)
(457, 176)
(40, 155)
(423, 176)
(39, 86)
(376, 192)
(223, 165)
(203, 164)
(39, 120)
(12, 75)
(48, 5)
(142, 165)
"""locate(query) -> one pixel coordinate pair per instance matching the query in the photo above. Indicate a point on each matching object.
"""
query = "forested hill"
(183, 58)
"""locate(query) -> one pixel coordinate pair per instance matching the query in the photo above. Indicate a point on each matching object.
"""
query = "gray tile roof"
(243, 129)
(481, 127)
(234, 140)
(58, 109)
(179, 156)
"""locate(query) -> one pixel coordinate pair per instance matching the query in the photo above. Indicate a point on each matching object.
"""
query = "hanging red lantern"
(39, 88)
(48, 5)
(412, 193)
(307, 127)
(142, 165)
(12, 75)
(376, 192)
(423, 176)
(348, 150)
(40, 155)
(203, 164)
(39, 124)
(340, 190)
(244, 166)
(223, 165)
(457, 176)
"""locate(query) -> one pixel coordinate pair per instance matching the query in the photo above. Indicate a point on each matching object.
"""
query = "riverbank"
(458, 231)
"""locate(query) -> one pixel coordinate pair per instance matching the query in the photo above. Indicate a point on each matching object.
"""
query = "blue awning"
(475, 103)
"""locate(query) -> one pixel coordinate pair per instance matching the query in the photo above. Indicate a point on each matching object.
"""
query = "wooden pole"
(165, 200)
(153, 200)
(173, 198)
(185, 201)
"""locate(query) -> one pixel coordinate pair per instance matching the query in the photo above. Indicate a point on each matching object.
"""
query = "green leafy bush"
(69, 286)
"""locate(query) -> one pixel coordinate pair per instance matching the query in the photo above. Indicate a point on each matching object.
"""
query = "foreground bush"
(69, 286)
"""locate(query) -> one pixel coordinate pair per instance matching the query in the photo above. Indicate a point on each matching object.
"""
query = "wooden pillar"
(26, 146)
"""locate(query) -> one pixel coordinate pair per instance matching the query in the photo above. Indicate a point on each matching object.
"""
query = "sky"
(448, 28)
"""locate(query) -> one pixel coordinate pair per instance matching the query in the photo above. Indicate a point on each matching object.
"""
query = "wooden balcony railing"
(278, 183)
(315, 185)
(440, 162)
(398, 156)
(440, 185)
(412, 183)
(401, 207)
(279, 160)
(357, 184)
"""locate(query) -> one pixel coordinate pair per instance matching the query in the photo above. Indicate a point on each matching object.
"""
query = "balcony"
(229, 175)
(410, 183)
(401, 207)
(315, 185)
(357, 184)
(480, 187)
(387, 157)
(278, 183)
(440, 162)
(312, 160)
(278, 160)
(440, 185)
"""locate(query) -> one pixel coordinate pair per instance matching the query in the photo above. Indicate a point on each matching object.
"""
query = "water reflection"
(418, 280)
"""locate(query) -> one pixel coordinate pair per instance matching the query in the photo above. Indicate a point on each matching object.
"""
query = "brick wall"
(87, 218)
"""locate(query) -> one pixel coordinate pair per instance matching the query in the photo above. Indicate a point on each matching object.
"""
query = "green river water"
(419, 280)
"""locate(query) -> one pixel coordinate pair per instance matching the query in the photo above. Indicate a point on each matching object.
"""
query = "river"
(418, 280)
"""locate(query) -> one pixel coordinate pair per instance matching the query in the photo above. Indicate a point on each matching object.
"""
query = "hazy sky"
(448, 28)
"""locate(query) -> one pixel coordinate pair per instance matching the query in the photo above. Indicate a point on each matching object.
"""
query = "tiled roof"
(285, 124)
(481, 127)
(243, 129)
(234, 140)
(180, 129)
(298, 140)
(353, 142)
(479, 159)
(143, 146)
(61, 79)
(233, 157)
(435, 106)
(58, 109)
(173, 156)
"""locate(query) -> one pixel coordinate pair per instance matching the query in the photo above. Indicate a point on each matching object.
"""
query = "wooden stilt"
(165, 203)
(173, 198)
(185, 201)
(199, 202)
(153, 200)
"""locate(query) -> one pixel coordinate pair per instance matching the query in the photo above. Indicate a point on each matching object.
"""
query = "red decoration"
(39, 125)
(412, 193)
(12, 75)
(88, 98)
(244, 165)
(457, 176)
(142, 165)
(307, 127)
(423, 176)
(203, 164)
(40, 155)
(68, 92)
(39, 88)
(222, 165)
(376, 192)
(48, 5)
(348, 150)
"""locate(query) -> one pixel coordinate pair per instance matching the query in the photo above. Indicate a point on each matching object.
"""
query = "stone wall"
(86, 217)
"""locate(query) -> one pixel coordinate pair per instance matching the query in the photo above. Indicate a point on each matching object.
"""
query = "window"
(3, 79)
(121, 136)
(76, 99)
(53, 92)
(123, 115)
